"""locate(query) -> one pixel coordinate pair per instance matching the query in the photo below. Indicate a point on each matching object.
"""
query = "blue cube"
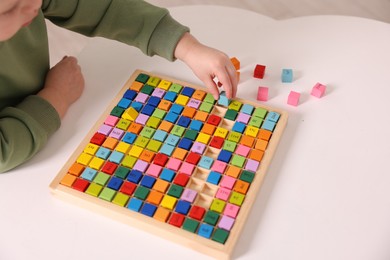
(148, 181)
(134, 176)
(183, 207)
(187, 91)
(115, 183)
(287, 75)
(148, 209)
(214, 177)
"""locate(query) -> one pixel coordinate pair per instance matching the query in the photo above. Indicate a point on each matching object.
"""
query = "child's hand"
(64, 85)
(208, 63)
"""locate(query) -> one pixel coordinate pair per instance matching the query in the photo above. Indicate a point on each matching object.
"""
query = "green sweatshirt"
(26, 120)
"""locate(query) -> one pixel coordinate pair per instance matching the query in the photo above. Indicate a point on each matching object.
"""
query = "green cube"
(153, 81)
(235, 105)
(120, 199)
(94, 189)
(191, 134)
(231, 114)
(238, 160)
(209, 99)
(147, 89)
(159, 113)
(175, 191)
(229, 146)
(247, 176)
(178, 130)
(260, 112)
(206, 107)
(220, 235)
(211, 218)
(154, 145)
(234, 137)
(142, 78)
(107, 194)
(147, 132)
(141, 141)
(122, 172)
(218, 205)
(236, 198)
(141, 192)
(190, 225)
(175, 88)
(101, 178)
(153, 122)
(117, 111)
(255, 121)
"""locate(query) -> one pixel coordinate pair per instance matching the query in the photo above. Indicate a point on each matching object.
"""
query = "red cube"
(259, 71)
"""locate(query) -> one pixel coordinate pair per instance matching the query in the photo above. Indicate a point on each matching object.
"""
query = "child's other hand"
(208, 63)
(64, 85)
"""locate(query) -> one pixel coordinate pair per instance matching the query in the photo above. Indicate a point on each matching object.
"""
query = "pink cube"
(318, 90)
(227, 182)
(259, 71)
(293, 98)
(154, 170)
(173, 164)
(187, 168)
(262, 94)
(242, 150)
(218, 166)
(111, 120)
(223, 194)
(231, 210)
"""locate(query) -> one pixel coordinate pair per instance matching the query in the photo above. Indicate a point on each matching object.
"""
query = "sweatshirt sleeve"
(133, 22)
(28, 125)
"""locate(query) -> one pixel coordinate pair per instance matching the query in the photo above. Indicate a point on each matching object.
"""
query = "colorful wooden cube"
(287, 75)
(259, 71)
(318, 90)
(293, 98)
(262, 93)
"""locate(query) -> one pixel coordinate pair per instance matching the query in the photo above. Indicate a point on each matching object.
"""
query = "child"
(34, 98)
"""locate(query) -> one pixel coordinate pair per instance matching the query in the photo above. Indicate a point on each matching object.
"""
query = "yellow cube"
(203, 138)
(221, 132)
(130, 114)
(182, 100)
(96, 163)
(168, 202)
(91, 149)
(135, 151)
(164, 84)
(251, 131)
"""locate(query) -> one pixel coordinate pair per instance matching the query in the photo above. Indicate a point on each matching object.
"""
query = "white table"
(326, 194)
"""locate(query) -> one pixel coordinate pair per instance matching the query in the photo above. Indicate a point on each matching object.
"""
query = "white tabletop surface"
(327, 192)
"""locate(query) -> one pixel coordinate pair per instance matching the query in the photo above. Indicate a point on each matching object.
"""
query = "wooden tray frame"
(177, 235)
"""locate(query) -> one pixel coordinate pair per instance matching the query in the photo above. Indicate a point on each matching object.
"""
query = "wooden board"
(198, 182)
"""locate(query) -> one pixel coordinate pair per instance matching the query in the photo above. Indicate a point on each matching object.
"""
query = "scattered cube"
(236, 62)
(293, 98)
(262, 94)
(318, 90)
(259, 71)
(287, 75)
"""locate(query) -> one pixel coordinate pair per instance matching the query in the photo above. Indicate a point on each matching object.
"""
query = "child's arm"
(64, 85)
(208, 63)
(151, 29)
(23, 131)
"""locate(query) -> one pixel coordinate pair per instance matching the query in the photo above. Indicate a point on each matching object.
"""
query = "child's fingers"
(233, 79)
(228, 82)
(212, 87)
